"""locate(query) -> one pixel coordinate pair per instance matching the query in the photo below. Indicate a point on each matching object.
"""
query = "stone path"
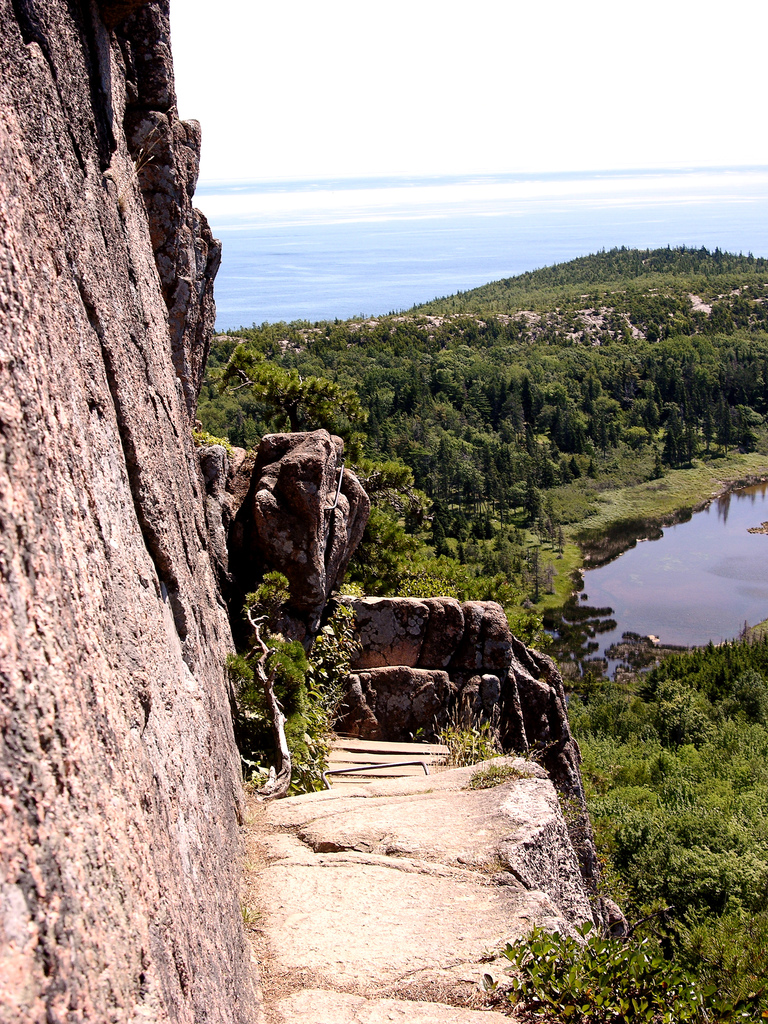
(390, 901)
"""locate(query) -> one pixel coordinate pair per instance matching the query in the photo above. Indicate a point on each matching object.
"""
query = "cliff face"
(119, 782)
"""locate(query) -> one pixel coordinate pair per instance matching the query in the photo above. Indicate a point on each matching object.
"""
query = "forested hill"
(601, 274)
(516, 423)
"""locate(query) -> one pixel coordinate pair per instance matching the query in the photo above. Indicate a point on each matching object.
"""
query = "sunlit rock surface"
(303, 516)
(402, 893)
(119, 855)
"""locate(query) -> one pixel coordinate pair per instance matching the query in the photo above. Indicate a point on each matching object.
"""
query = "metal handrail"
(338, 489)
(367, 767)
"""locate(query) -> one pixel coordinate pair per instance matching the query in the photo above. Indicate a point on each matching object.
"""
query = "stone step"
(340, 757)
(377, 771)
(387, 746)
(381, 759)
(320, 1006)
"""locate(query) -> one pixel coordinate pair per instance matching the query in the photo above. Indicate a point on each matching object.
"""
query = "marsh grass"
(656, 501)
(565, 566)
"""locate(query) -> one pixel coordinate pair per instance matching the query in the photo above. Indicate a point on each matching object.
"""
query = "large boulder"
(215, 466)
(494, 677)
(445, 628)
(303, 516)
(395, 703)
(467, 660)
(227, 473)
(391, 631)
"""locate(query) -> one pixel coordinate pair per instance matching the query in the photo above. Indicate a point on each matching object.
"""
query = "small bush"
(308, 690)
(605, 981)
(203, 440)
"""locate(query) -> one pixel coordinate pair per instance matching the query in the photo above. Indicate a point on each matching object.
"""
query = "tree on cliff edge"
(309, 403)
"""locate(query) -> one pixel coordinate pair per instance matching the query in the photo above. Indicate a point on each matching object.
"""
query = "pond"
(700, 580)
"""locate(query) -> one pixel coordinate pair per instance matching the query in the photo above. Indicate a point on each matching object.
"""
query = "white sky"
(300, 88)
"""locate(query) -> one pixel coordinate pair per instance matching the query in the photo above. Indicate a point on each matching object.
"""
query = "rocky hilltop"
(121, 797)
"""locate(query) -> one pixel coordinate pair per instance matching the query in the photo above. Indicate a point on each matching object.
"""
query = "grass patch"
(564, 568)
(495, 775)
(468, 743)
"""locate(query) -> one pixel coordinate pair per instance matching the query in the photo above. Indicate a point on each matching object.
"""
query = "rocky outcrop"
(303, 515)
(119, 856)
(426, 662)
(486, 674)
(396, 702)
(408, 890)
(227, 474)
(166, 155)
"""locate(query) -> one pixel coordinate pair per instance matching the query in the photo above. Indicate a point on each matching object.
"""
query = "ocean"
(318, 250)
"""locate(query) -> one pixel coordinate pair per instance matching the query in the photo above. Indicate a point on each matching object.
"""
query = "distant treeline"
(606, 270)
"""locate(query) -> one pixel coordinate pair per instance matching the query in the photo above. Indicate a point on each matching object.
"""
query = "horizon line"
(478, 175)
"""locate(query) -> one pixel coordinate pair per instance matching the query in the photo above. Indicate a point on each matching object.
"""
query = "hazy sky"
(293, 88)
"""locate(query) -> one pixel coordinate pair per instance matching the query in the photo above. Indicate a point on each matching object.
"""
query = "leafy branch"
(279, 781)
(308, 402)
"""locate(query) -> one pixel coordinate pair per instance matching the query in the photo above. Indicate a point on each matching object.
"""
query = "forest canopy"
(515, 406)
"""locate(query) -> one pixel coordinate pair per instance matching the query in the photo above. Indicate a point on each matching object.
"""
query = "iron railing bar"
(367, 767)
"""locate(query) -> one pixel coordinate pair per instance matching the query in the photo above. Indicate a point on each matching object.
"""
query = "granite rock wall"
(119, 778)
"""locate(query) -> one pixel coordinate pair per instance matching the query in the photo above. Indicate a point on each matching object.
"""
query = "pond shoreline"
(576, 627)
(602, 545)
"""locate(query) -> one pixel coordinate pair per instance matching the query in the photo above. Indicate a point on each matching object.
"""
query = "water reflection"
(723, 505)
(700, 581)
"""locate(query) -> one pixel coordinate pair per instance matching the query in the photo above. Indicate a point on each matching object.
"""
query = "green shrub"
(730, 952)
(675, 766)
(607, 981)
(308, 690)
(203, 439)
